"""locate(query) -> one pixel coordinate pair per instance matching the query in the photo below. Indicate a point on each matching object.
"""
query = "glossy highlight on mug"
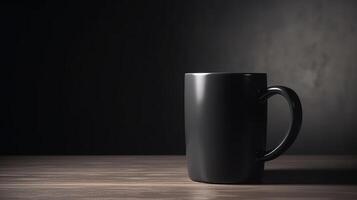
(199, 86)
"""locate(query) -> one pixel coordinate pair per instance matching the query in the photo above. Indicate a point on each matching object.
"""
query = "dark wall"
(106, 77)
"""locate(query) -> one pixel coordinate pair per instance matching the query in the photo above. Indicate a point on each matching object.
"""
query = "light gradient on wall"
(310, 46)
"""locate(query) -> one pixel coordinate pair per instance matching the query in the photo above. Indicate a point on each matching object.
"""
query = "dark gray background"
(106, 77)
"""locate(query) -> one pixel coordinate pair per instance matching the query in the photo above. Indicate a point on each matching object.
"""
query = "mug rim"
(226, 73)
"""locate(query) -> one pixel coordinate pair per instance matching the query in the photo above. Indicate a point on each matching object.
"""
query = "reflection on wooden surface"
(165, 177)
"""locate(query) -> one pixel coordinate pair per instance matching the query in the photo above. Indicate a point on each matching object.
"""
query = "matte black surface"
(225, 126)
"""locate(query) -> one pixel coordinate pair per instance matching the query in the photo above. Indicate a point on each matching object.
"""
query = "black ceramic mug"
(225, 126)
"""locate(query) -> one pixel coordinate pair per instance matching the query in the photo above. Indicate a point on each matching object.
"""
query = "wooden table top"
(165, 177)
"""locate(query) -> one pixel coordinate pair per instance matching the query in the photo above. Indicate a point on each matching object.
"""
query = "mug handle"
(294, 128)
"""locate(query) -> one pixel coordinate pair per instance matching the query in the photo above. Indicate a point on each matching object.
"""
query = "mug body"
(225, 126)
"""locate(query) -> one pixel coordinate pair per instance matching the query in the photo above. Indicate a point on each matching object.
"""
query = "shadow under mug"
(225, 126)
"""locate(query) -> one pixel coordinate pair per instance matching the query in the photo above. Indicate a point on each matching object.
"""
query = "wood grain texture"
(165, 177)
